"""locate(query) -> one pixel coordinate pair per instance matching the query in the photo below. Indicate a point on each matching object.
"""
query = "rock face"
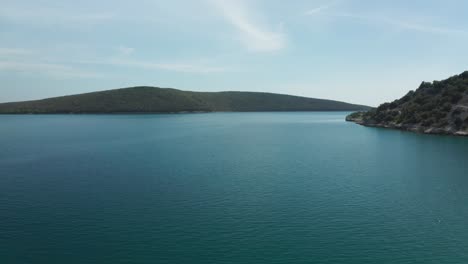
(440, 107)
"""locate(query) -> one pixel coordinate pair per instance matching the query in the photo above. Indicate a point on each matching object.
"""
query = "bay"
(228, 188)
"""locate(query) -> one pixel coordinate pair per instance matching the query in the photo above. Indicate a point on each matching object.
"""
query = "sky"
(358, 51)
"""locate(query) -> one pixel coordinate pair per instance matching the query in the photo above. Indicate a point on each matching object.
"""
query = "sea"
(273, 187)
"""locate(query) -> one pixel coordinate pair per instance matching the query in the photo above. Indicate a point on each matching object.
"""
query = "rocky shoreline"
(409, 127)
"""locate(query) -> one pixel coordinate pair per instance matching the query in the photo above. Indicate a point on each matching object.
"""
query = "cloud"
(123, 59)
(7, 52)
(319, 9)
(43, 15)
(66, 71)
(405, 25)
(30, 62)
(58, 71)
(176, 67)
(122, 50)
(251, 33)
(184, 67)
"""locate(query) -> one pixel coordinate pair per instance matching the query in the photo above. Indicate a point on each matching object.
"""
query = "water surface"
(228, 188)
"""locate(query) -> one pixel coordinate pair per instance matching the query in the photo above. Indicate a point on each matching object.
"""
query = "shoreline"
(412, 128)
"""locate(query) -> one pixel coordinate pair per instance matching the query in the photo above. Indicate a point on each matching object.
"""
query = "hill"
(439, 107)
(165, 100)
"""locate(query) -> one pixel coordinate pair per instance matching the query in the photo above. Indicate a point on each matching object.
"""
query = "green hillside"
(440, 107)
(165, 100)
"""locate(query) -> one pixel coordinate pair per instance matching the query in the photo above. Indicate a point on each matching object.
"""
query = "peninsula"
(439, 107)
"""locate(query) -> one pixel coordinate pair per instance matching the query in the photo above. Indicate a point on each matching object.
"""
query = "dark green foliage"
(429, 122)
(162, 100)
(458, 122)
(446, 107)
(437, 104)
(383, 107)
(456, 112)
(393, 105)
(356, 115)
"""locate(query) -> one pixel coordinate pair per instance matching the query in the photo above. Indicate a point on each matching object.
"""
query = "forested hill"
(439, 107)
(165, 100)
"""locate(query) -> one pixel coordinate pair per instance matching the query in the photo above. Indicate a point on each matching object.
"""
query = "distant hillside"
(440, 107)
(164, 100)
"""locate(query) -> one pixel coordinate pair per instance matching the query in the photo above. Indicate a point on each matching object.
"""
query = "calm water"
(228, 188)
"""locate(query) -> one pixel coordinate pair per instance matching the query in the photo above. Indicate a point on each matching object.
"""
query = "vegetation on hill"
(440, 107)
(164, 100)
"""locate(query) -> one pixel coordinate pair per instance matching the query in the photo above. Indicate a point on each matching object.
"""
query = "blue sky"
(357, 51)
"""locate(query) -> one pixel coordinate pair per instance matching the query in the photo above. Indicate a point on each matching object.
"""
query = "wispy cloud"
(252, 35)
(7, 52)
(124, 58)
(31, 62)
(403, 24)
(320, 9)
(43, 15)
(198, 68)
(53, 70)
(125, 51)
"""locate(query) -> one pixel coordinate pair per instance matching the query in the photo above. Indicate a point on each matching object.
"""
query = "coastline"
(447, 131)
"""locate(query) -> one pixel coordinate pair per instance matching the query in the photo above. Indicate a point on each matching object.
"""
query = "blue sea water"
(228, 188)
